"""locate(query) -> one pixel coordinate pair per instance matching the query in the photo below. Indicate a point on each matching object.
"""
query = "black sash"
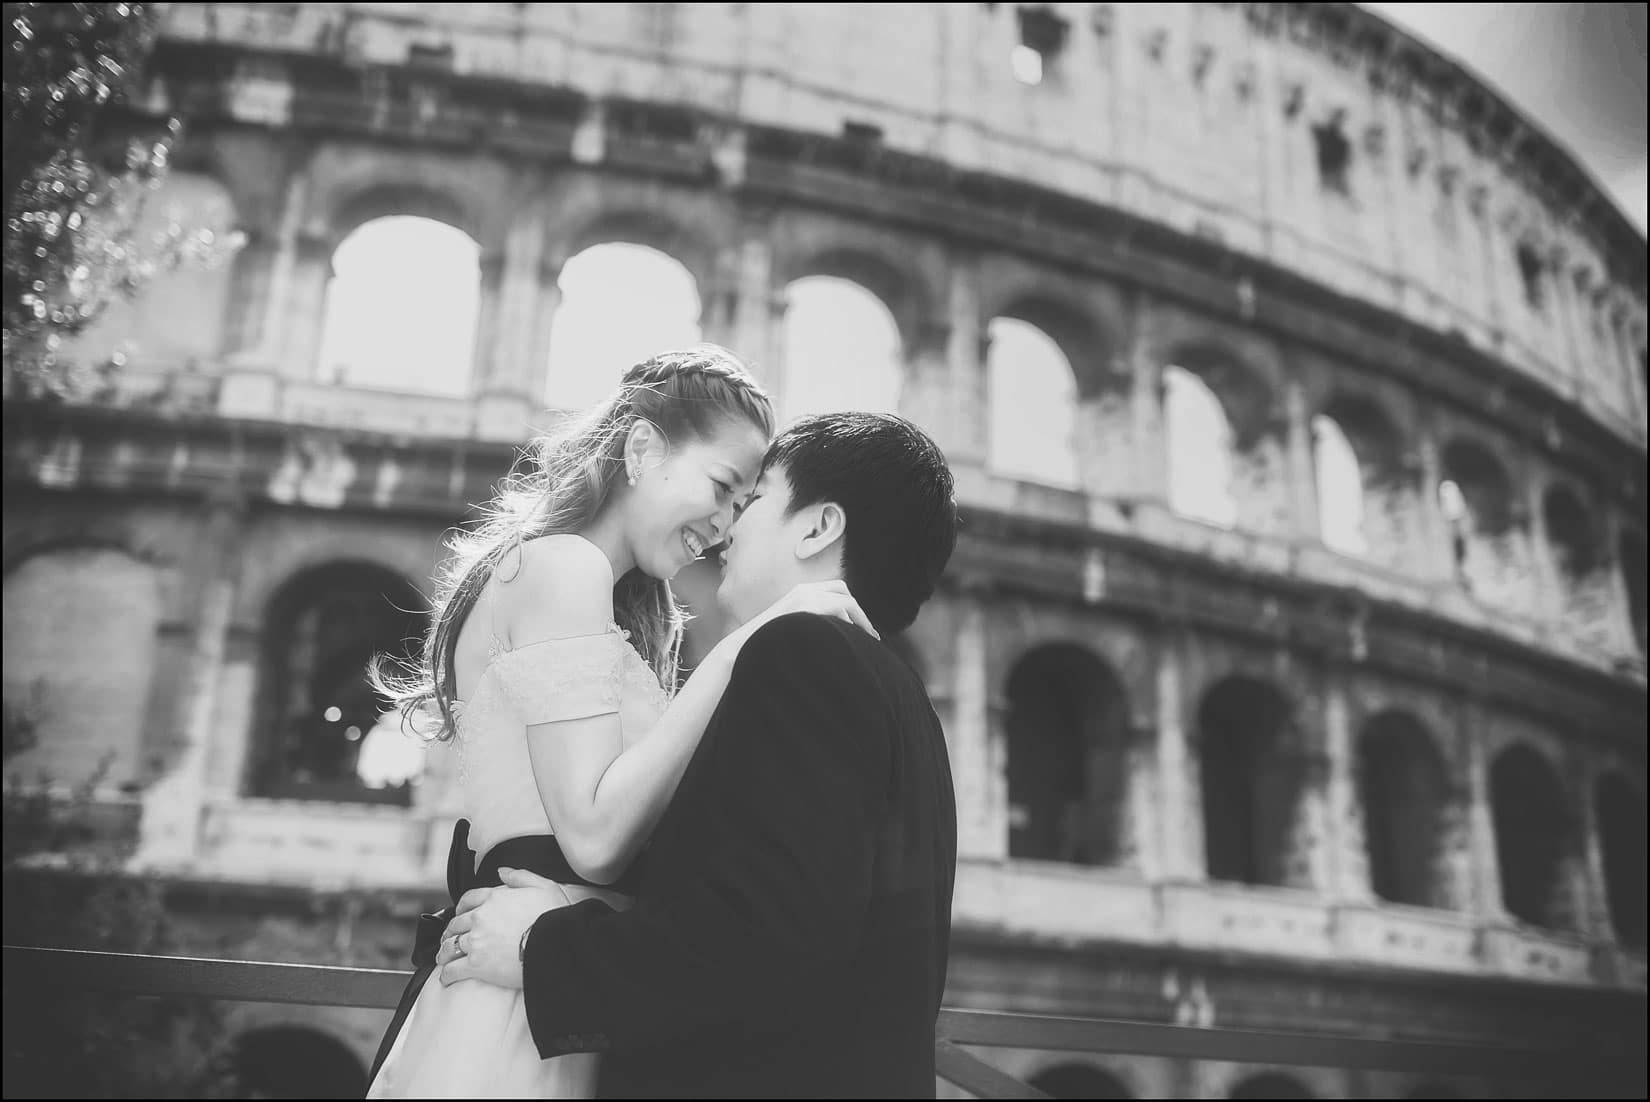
(538, 853)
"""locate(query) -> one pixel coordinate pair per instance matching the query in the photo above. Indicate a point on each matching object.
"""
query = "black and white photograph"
(824, 550)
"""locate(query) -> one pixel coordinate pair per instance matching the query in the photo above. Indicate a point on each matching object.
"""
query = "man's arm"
(785, 883)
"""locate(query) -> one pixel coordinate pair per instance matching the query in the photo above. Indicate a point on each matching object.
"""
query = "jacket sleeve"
(780, 899)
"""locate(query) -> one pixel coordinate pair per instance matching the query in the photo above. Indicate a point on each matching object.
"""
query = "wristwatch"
(521, 948)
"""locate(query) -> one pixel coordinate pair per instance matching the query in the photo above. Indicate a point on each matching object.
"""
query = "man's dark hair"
(895, 487)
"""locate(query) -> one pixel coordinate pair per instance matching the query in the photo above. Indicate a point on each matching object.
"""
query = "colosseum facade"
(1234, 743)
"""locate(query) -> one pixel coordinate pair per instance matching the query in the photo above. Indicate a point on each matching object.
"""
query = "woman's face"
(683, 503)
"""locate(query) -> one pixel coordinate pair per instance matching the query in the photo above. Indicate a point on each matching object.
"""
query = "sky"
(1577, 70)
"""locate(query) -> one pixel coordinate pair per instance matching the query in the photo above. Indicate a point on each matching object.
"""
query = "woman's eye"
(722, 488)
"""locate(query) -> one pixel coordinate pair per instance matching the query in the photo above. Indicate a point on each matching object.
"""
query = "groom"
(790, 931)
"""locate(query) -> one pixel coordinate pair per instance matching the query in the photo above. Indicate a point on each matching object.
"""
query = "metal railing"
(325, 985)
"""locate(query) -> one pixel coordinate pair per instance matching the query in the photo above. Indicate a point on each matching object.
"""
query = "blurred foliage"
(74, 198)
(65, 888)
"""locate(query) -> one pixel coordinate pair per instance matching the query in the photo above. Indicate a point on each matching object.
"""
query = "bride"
(550, 663)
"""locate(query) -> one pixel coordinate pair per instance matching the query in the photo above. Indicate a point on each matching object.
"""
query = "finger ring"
(458, 945)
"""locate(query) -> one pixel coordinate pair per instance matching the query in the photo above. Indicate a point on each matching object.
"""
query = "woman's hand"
(821, 598)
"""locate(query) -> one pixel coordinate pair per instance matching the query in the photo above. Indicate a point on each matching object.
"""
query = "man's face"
(760, 564)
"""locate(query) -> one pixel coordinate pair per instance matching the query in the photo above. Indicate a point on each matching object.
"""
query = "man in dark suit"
(793, 916)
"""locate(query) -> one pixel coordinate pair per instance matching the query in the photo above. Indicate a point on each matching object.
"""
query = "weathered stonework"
(1186, 220)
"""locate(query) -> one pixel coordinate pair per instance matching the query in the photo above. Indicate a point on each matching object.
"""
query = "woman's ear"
(644, 448)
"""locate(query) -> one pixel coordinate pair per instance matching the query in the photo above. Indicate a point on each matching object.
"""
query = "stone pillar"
(1485, 866)
(253, 275)
(303, 316)
(1348, 872)
(1551, 597)
(1435, 528)
(1151, 451)
(169, 831)
(256, 337)
(1303, 484)
(979, 834)
(1622, 632)
(510, 364)
(1586, 881)
(1570, 357)
(967, 434)
(1142, 832)
(756, 305)
(1179, 808)
(927, 394)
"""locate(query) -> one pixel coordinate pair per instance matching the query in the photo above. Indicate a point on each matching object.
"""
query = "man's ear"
(644, 448)
(827, 524)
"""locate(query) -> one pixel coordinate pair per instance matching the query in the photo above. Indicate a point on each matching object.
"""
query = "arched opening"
(1387, 520)
(1532, 837)
(1340, 488)
(328, 734)
(620, 304)
(186, 228)
(1621, 827)
(79, 664)
(1079, 1081)
(1253, 779)
(1067, 727)
(1200, 449)
(842, 349)
(1585, 592)
(1270, 1085)
(1405, 796)
(1032, 394)
(1476, 497)
(401, 308)
(293, 1062)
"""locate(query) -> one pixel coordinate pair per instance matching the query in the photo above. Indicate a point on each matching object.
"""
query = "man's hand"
(483, 941)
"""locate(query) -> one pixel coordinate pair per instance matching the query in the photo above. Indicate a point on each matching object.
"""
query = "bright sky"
(1578, 70)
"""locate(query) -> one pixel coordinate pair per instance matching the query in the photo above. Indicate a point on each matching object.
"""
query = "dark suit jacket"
(793, 914)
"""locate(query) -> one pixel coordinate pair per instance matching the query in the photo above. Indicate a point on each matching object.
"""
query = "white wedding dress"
(471, 1040)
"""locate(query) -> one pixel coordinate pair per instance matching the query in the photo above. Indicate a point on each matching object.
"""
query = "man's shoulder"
(835, 651)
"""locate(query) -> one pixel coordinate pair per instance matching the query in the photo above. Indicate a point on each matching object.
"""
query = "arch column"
(1302, 465)
(507, 331)
(1149, 426)
(927, 389)
(1550, 589)
(303, 313)
(1179, 810)
(752, 317)
(1587, 875)
(980, 834)
(1438, 562)
(1483, 867)
(1348, 859)
(264, 280)
(169, 829)
(962, 425)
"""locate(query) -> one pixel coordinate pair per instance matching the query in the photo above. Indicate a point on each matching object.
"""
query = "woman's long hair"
(570, 476)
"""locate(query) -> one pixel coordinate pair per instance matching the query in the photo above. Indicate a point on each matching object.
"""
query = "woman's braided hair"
(568, 478)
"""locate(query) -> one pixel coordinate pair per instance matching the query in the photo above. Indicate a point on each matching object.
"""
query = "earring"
(633, 478)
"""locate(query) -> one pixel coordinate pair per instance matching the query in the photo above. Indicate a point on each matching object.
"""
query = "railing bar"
(1000, 1030)
(977, 1077)
(240, 981)
(328, 985)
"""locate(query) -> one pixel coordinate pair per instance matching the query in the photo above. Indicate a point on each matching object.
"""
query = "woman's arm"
(603, 799)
